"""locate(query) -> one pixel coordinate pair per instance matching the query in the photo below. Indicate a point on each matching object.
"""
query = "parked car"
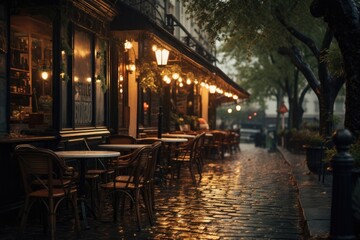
(248, 131)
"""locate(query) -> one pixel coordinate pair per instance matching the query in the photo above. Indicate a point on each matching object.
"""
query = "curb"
(314, 196)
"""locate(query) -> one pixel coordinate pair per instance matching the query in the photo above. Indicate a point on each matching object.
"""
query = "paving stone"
(247, 196)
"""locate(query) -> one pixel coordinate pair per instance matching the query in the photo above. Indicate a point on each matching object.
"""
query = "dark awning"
(130, 19)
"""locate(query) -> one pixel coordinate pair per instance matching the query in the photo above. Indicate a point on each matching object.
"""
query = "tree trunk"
(326, 105)
(342, 17)
(349, 43)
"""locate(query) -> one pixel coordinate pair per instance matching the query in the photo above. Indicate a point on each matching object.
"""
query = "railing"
(156, 10)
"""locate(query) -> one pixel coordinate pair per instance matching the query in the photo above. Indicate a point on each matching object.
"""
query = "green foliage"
(257, 30)
(182, 119)
(304, 137)
(334, 60)
(354, 151)
(148, 77)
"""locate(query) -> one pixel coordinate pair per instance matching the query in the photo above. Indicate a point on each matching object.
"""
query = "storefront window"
(31, 77)
(82, 79)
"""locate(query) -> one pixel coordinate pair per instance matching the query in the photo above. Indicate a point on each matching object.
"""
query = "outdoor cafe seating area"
(118, 171)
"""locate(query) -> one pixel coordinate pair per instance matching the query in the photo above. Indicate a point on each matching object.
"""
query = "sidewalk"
(314, 196)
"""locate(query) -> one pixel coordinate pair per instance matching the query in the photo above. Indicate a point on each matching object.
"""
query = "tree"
(342, 17)
(242, 25)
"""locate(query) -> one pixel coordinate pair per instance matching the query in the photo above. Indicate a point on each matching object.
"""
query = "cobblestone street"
(248, 196)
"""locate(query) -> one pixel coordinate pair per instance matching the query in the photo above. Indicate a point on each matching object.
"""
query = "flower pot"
(314, 156)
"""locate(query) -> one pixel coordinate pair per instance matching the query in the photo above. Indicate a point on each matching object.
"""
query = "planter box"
(314, 156)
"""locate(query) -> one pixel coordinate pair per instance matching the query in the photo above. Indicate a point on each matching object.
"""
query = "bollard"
(273, 142)
(341, 209)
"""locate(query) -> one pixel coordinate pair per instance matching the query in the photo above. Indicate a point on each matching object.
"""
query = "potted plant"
(314, 149)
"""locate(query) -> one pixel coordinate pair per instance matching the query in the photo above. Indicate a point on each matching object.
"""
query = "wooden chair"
(149, 180)
(216, 144)
(46, 178)
(200, 148)
(132, 171)
(187, 154)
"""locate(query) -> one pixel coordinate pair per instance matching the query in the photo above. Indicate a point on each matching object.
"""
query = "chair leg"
(137, 208)
(52, 218)
(24, 216)
(148, 203)
(115, 206)
(192, 173)
(76, 212)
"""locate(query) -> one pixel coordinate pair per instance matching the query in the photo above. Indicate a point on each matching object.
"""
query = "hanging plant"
(148, 77)
(170, 72)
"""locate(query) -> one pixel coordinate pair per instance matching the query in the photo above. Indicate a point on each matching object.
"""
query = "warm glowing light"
(44, 75)
(88, 79)
(154, 48)
(121, 78)
(196, 81)
(76, 79)
(181, 84)
(131, 67)
(127, 45)
(188, 81)
(167, 79)
(202, 84)
(235, 97)
(212, 89)
(162, 56)
(180, 79)
(238, 107)
(175, 76)
(229, 110)
(146, 106)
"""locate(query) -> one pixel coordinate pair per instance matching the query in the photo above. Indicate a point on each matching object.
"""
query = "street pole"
(282, 128)
(160, 114)
(160, 122)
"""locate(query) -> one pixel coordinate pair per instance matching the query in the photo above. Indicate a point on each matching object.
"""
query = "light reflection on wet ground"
(247, 196)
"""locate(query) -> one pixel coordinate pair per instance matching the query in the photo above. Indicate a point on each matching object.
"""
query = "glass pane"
(41, 64)
(64, 91)
(101, 87)
(82, 79)
(31, 79)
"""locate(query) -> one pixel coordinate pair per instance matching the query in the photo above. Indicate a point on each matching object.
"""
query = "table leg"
(82, 196)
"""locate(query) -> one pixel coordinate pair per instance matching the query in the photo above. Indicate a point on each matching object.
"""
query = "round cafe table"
(177, 135)
(82, 156)
(123, 147)
(169, 139)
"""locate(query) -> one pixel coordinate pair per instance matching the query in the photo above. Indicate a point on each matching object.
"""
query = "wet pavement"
(249, 195)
